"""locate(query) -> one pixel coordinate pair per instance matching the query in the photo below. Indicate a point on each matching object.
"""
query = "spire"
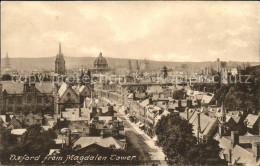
(59, 48)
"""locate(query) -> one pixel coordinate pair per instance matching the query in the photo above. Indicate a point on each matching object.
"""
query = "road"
(138, 142)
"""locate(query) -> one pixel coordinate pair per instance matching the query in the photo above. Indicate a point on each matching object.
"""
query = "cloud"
(171, 31)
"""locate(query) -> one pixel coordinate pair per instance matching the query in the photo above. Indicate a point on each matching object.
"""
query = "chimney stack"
(187, 113)
(220, 130)
(230, 156)
(101, 134)
(259, 126)
(234, 138)
(79, 112)
(256, 150)
(198, 129)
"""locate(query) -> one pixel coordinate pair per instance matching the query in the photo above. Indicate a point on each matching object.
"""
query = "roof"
(72, 114)
(54, 151)
(100, 60)
(144, 103)
(45, 87)
(18, 131)
(62, 89)
(239, 154)
(251, 120)
(46, 128)
(106, 118)
(12, 87)
(104, 142)
(206, 98)
(18, 87)
(206, 122)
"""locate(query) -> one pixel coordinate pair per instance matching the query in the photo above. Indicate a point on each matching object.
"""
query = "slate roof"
(12, 88)
(17, 88)
(72, 114)
(104, 142)
(18, 131)
(206, 122)
(240, 155)
(251, 120)
(62, 89)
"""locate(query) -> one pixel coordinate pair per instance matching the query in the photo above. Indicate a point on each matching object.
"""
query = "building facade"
(25, 98)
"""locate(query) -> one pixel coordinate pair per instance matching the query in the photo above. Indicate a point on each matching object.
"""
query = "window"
(29, 99)
(39, 99)
(10, 101)
(47, 100)
(19, 100)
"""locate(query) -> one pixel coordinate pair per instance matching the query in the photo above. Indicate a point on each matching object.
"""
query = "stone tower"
(60, 62)
(7, 62)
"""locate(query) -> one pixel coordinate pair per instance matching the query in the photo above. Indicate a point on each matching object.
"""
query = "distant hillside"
(71, 62)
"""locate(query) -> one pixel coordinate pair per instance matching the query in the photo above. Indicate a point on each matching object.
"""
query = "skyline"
(211, 30)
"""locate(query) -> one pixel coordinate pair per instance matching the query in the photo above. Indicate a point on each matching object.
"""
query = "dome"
(100, 62)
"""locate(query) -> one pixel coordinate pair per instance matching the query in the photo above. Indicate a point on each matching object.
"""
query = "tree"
(179, 94)
(180, 146)
(35, 141)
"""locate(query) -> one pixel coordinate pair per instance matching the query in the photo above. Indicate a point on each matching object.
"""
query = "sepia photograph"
(153, 83)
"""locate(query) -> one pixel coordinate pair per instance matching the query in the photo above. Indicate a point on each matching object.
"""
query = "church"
(60, 63)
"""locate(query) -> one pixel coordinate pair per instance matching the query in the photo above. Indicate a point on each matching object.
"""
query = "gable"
(69, 96)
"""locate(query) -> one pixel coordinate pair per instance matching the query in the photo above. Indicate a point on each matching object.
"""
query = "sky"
(155, 30)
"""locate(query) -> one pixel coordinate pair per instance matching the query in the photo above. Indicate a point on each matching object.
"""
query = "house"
(204, 127)
(106, 126)
(239, 150)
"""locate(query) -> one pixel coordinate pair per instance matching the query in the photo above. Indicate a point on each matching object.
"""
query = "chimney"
(150, 100)
(68, 139)
(198, 129)
(256, 150)
(189, 103)
(220, 130)
(234, 138)
(79, 112)
(187, 113)
(101, 134)
(230, 156)
(179, 103)
(259, 126)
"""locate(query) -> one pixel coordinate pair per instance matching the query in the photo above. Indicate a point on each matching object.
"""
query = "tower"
(60, 62)
(137, 66)
(7, 62)
(129, 66)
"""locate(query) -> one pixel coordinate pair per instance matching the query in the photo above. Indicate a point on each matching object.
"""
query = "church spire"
(59, 48)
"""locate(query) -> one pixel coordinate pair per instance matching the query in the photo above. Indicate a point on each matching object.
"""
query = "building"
(239, 150)
(100, 65)
(25, 98)
(204, 127)
(60, 63)
(69, 96)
